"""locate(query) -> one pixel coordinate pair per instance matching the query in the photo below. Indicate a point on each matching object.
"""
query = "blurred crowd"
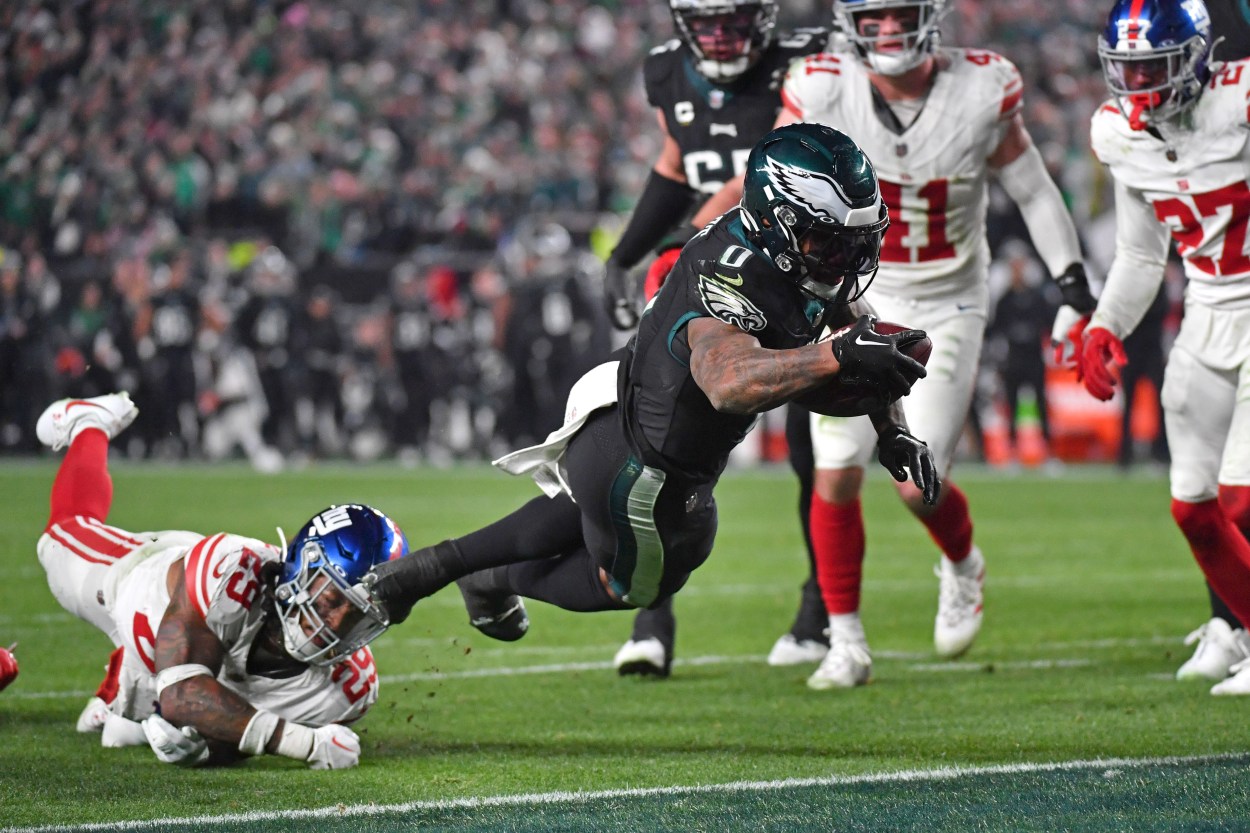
(312, 228)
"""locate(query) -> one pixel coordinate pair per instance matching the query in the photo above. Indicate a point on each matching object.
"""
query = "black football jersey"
(669, 419)
(716, 125)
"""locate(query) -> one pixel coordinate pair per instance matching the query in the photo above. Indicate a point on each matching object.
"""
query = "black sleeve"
(663, 204)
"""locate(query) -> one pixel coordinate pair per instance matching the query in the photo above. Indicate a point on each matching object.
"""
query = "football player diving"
(1176, 142)
(938, 122)
(226, 646)
(716, 90)
(628, 511)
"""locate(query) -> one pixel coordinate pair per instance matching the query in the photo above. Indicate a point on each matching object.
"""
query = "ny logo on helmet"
(334, 518)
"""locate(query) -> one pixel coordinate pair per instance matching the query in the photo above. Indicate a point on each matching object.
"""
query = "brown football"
(852, 398)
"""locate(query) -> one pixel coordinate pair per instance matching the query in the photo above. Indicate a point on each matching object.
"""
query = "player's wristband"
(258, 732)
(296, 741)
(178, 673)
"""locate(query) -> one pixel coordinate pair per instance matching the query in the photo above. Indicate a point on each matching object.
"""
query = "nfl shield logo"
(716, 98)
(900, 149)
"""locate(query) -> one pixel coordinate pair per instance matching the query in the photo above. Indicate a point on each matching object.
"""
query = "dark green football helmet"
(810, 200)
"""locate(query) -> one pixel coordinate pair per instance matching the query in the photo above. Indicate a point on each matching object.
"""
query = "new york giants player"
(936, 122)
(716, 90)
(1176, 139)
(226, 645)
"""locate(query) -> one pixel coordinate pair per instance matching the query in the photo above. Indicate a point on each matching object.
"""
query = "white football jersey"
(223, 582)
(933, 173)
(1193, 174)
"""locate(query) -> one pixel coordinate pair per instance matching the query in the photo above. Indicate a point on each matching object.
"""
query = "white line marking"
(1109, 765)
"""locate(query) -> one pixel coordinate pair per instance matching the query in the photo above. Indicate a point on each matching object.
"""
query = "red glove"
(1102, 355)
(8, 666)
(656, 275)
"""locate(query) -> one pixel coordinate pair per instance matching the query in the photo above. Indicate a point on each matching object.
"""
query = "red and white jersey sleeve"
(933, 174)
(223, 582)
(1193, 176)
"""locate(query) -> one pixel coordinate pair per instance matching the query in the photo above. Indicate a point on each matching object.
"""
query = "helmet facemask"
(726, 37)
(315, 587)
(1152, 86)
(891, 50)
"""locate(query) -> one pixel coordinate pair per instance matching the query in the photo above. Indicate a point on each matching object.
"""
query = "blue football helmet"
(1154, 56)
(341, 543)
(920, 35)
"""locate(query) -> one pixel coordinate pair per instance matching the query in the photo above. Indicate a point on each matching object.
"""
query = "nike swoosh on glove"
(873, 357)
(334, 747)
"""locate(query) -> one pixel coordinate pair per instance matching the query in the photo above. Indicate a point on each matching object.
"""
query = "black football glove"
(867, 356)
(900, 453)
(1075, 289)
(620, 296)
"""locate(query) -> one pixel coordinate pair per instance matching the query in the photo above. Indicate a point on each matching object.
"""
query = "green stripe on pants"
(639, 562)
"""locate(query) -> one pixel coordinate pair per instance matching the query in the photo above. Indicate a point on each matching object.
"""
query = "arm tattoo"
(216, 711)
(741, 377)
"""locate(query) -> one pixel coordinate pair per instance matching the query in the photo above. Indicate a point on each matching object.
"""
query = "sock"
(109, 686)
(950, 525)
(838, 541)
(846, 626)
(658, 622)
(1235, 501)
(569, 581)
(83, 485)
(1220, 550)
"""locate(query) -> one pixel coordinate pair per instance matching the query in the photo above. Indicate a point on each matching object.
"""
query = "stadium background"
(298, 230)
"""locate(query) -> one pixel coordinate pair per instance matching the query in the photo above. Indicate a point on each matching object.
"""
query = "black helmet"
(811, 202)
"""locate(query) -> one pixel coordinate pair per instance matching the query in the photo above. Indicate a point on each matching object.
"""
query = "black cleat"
(397, 585)
(497, 613)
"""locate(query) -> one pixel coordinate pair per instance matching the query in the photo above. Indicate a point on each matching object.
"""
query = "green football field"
(1064, 716)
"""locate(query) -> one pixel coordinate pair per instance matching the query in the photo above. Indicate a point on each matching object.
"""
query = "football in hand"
(841, 397)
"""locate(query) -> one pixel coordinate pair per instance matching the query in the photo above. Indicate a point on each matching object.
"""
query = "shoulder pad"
(1000, 76)
(804, 40)
(808, 82)
(1105, 124)
(223, 575)
(658, 67)
(1231, 82)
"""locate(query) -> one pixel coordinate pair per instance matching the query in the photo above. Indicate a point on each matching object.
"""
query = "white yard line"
(1111, 768)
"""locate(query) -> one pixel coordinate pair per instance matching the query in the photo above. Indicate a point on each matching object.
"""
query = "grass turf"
(1090, 589)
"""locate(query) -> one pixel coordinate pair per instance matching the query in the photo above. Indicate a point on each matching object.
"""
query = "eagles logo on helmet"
(342, 544)
(811, 201)
(726, 36)
(1155, 56)
(920, 19)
